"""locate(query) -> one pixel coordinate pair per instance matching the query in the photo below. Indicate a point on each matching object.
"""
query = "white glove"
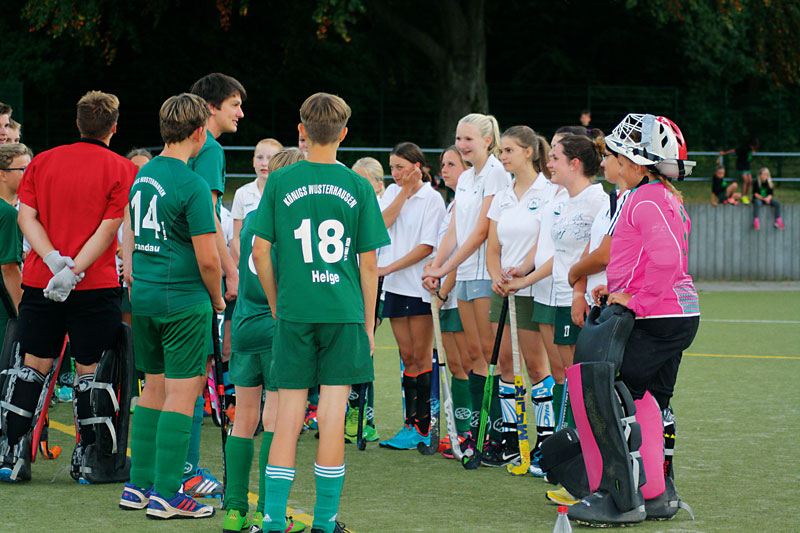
(60, 285)
(56, 262)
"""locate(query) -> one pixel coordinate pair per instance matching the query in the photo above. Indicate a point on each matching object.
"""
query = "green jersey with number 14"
(169, 204)
(320, 216)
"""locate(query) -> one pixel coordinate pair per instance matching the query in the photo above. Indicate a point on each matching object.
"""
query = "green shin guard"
(329, 490)
(172, 444)
(143, 446)
(462, 404)
(239, 457)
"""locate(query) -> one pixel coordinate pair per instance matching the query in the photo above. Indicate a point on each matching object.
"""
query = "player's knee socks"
(507, 406)
(144, 429)
(83, 410)
(410, 394)
(542, 398)
(558, 398)
(370, 419)
(462, 404)
(495, 421)
(172, 443)
(668, 419)
(27, 389)
(238, 459)
(476, 385)
(193, 456)
(278, 483)
(263, 459)
(329, 491)
(423, 417)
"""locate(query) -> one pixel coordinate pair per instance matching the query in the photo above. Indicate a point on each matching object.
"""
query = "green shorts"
(566, 332)
(307, 355)
(252, 370)
(126, 301)
(450, 321)
(173, 344)
(524, 312)
(544, 314)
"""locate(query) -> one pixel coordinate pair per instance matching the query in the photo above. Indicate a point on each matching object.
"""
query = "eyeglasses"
(17, 168)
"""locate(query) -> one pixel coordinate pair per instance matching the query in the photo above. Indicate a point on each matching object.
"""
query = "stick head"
(471, 459)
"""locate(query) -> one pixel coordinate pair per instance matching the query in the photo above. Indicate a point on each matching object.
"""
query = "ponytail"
(527, 138)
(487, 127)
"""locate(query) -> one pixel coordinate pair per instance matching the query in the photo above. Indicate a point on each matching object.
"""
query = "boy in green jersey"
(250, 369)
(224, 96)
(174, 285)
(325, 222)
(13, 160)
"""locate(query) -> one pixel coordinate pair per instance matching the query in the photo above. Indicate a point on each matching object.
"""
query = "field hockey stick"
(361, 442)
(519, 396)
(562, 416)
(216, 330)
(433, 431)
(446, 400)
(40, 429)
(472, 460)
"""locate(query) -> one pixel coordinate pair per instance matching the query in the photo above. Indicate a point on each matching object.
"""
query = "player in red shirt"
(72, 201)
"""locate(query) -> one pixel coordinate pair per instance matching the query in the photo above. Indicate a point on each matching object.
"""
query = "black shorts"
(91, 318)
(398, 306)
(653, 354)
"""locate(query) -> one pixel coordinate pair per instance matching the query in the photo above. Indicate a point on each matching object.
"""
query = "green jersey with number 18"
(320, 216)
(252, 323)
(169, 204)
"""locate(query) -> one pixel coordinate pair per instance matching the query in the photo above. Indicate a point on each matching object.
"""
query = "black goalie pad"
(604, 335)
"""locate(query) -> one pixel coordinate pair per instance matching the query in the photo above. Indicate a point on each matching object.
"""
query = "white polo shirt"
(543, 290)
(571, 230)
(418, 223)
(470, 193)
(245, 200)
(600, 228)
(518, 222)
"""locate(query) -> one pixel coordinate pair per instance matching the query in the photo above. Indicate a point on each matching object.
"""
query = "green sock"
(263, 459)
(558, 395)
(495, 412)
(238, 458)
(462, 405)
(172, 443)
(143, 446)
(476, 384)
(277, 485)
(329, 490)
(193, 457)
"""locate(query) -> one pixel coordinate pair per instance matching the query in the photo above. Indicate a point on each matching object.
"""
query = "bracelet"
(440, 296)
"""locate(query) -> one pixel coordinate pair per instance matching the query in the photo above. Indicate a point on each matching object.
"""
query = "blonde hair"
(97, 114)
(180, 115)
(284, 158)
(9, 152)
(270, 142)
(324, 116)
(487, 127)
(372, 167)
(769, 176)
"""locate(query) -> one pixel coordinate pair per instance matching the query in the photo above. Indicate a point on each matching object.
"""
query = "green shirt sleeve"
(210, 163)
(10, 236)
(199, 210)
(263, 224)
(372, 232)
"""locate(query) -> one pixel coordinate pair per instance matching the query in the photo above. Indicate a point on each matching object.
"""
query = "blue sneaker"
(406, 439)
(179, 506)
(134, 498)
(535, 469)
(203, 485)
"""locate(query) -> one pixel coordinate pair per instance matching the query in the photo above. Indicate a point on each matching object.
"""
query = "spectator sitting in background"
(722, 190)
(762, 194)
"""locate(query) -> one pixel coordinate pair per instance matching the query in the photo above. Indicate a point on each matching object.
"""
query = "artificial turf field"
(737, 459)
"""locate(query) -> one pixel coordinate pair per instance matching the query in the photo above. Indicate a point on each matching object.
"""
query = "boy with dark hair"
(224, 96)
(319, 214)
(72, 200)
(175, 269)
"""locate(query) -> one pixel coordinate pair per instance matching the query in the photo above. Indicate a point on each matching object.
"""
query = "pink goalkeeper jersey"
(650, 255)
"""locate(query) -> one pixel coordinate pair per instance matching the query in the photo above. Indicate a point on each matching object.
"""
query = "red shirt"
(74, 188)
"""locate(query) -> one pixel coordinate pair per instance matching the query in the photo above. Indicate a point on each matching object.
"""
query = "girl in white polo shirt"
(515, 220)
(413, 212)
(574, 161)
(478, 141)
(247, 196)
